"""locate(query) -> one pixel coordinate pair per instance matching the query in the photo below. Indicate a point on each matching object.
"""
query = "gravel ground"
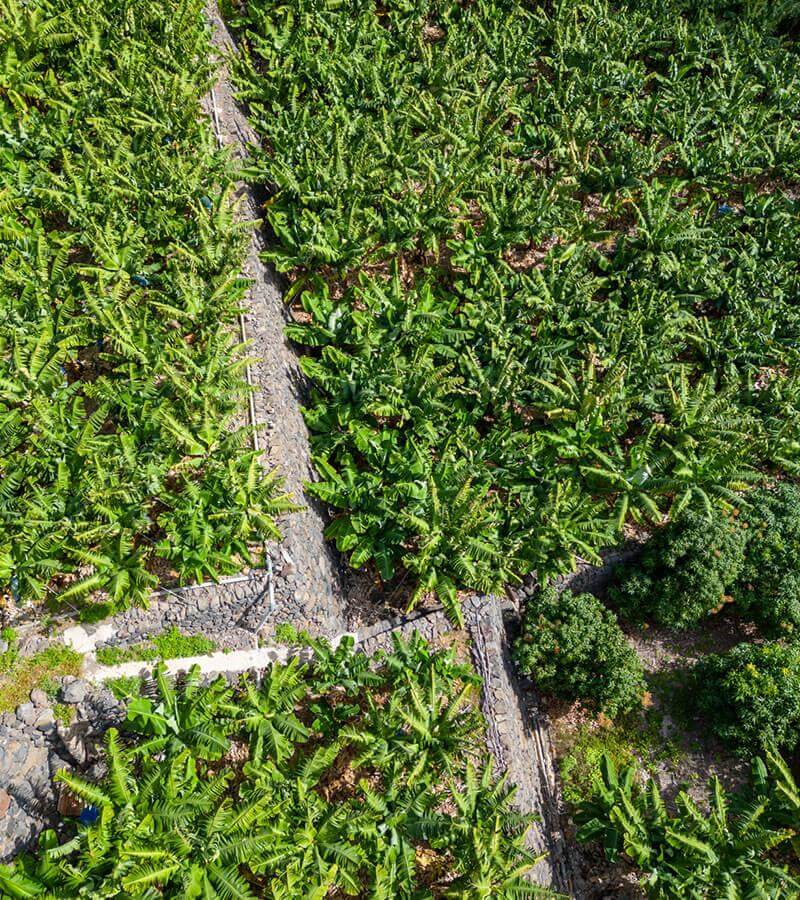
(34, 746)
(307, 588)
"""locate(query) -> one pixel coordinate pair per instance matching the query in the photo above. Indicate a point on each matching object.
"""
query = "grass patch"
(64, 712)
(170, 644)
(581, 765)
(20, 675)
(633, 740)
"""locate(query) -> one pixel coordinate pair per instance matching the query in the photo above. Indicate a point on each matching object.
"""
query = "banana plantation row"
(120, 286)
(361, 779)
(544, 264)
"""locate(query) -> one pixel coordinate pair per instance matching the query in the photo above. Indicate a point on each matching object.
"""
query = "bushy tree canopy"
(573, 648)
(684, 572)
(768, 587)
(750, 696)
(748, 555)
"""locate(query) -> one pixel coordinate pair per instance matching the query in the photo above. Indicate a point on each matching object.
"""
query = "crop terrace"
(544, 263)
(119, 285)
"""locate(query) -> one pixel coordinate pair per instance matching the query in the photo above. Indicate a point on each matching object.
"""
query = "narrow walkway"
(518, 738)
(307, 578)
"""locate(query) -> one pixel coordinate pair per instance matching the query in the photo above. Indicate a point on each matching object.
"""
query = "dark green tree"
(749, 697)
(573, 648)
(685, 571)
(768, 587)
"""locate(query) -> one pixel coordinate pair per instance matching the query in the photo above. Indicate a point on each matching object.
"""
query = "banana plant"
(194, 717)
(545, 248)
(692, 852)
(119, 381)
(319, 809)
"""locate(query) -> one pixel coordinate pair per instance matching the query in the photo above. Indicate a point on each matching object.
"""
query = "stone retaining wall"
(587, 577)
(34, 746)
(307, 577)
(431, 624)
(518, 739)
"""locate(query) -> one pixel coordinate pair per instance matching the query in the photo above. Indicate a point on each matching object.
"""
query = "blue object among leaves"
(89, 815)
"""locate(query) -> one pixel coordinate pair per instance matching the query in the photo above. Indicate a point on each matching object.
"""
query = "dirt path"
(519, 740)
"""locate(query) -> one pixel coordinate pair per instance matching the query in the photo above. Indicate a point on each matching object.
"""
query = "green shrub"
(693, 853)
(573, 648)
(750, 696)
(579, 767)
(351, 779)
(684, 571)
(691, 567)
(8, 657)
(768, 587)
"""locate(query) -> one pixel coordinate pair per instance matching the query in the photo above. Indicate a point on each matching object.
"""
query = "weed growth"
(19, 675)
(170, 644)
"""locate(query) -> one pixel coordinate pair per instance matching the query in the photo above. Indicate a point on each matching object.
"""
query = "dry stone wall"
(518, 739)
(307, 583)
(587, 577)
(34, 746)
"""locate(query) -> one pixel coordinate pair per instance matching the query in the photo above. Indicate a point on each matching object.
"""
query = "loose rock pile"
(34, 746)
